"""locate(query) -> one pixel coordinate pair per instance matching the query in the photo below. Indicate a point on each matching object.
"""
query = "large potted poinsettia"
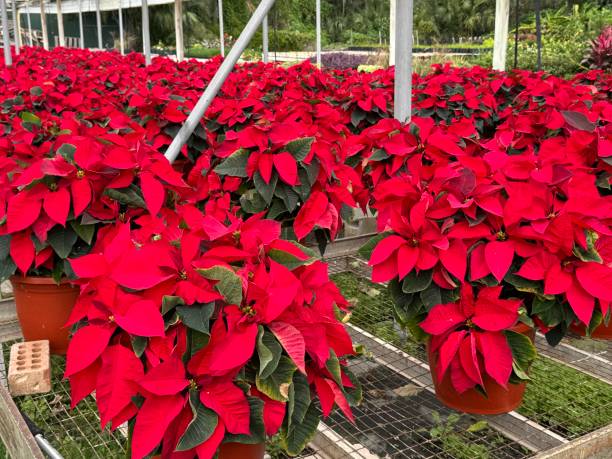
(208, 335)
(58, 192)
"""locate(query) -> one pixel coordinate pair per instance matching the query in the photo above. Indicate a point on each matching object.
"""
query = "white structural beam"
(193, 120)
(318, 21)
(264, 40)
(6, 35)
(81, 32)
(43, 25)
(500, 44)
(221, 31)
(178, 26)
(146, 38)
(99, 25)
(121, 39)
(403, 61)
(30, 40)
(16, 27)
(392, 7)
(60, 23)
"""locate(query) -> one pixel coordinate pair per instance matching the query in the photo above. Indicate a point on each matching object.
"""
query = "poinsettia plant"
(200, 331)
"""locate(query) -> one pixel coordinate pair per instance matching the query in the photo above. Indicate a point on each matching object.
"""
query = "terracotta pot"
(603, 331)
(498, 399)
(43, 307)
(242, 451)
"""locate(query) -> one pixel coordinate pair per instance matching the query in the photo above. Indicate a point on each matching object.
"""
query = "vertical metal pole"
(6, 36)
(516, 32)
(43, 22)
(16, 28)
(60, 23)
(538, 18)
(318, 20)
(221, 32)
(193, 120)
(264, 40)
(500, 44)
(81, 32)
(99, 25)
(121, 42)
(178, 26)
(146, 38)
(30, 39)
(403, 61)
(392, 29)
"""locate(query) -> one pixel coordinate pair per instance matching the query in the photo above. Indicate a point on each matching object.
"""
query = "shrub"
(599, 55)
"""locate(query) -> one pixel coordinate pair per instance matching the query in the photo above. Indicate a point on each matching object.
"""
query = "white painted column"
(121, 40)
(318, 26)
(264, 40)
(99, 25)
(6, 34)
(43, 22)
(500, 44)
(146, 38)
(178, 26)
(81, 32)
(60, 23)
(16, 28)
(403, 61)
(30, 40)
(392, 4)
(221, 32)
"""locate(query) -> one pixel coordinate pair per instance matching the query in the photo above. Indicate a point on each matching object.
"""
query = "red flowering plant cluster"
(204, 331)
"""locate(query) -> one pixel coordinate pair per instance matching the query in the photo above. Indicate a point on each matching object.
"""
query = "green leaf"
(312, 170)
(229, 285)
(578, 120)
(290, 261)
(36, 91)
(525, 285)
(195, 342)
(276, 386)
(7, 269)
(5, 246)
(139, 344)
(358, 116)
(85, 232)
(62, 240)
(417, 282)
(127, 196)
(266, 190)
(298, 435)
(269, 351)
(300, 148)
(258, 431)
(67, 151)
(28, 117)
(171, 302)
(590, 253)
(333, 366)
(197, 316)
(431, 296)
(549, 311)
(235, 164)
(289, 197)
(304, 187)
(299, 399)
(251, 202)
(379, 155)
(478, 426)
(201, 427)
(523, 352)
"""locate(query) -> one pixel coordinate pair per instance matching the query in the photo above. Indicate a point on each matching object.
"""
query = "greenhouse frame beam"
(6, 35)
(146, 37)
(99, 25)
(221, 31)
(193, 120)
(318, 21)
(16, 28)
(121, 39)
(81, 33)
(60, 23)
(403, 61)
(392, 7)
(178, 26)
(43, 25)
(500, 43)
(264, 40)
(538, 21)
(29, 19)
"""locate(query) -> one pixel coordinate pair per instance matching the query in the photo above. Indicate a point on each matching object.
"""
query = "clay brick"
(29, 368)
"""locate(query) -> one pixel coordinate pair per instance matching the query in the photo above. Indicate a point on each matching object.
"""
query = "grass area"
(568, 401)
(201, 53)
(3, 453)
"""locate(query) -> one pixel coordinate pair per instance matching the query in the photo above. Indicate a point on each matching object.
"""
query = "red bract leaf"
(273, 413)
(499, 257)
(325, 393)
(292, 341)
(57, 205)
(309, 214)
(22, 212)
(454, 259)
(153, 191)
(140, 268)
(385, 248)
(152, 420)
(22, 250)
(596, 279)
(230, 403)
(468, 357)
(116, 382)
(497, 355)
(494, 314)
(84, 382)
(442, 318)
(286, 166)
(581, 302)
(88, 266)
(265, 166)
(208, 449)
(81, 196)
(86, 345)
(167, 378)
(141, 318)
(447, 352)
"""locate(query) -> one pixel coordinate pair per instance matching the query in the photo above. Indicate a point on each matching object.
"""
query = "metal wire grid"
(400, 417)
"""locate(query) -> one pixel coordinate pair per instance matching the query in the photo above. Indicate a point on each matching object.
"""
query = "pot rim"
(37, 280)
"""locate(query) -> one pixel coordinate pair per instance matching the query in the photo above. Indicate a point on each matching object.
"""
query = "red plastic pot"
(498, 399)
(43, 307)
(603, 331)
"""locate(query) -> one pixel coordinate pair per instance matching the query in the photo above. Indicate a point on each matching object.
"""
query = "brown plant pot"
(242, 451)
(43, 307)
(498, 400)
(602, 331)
